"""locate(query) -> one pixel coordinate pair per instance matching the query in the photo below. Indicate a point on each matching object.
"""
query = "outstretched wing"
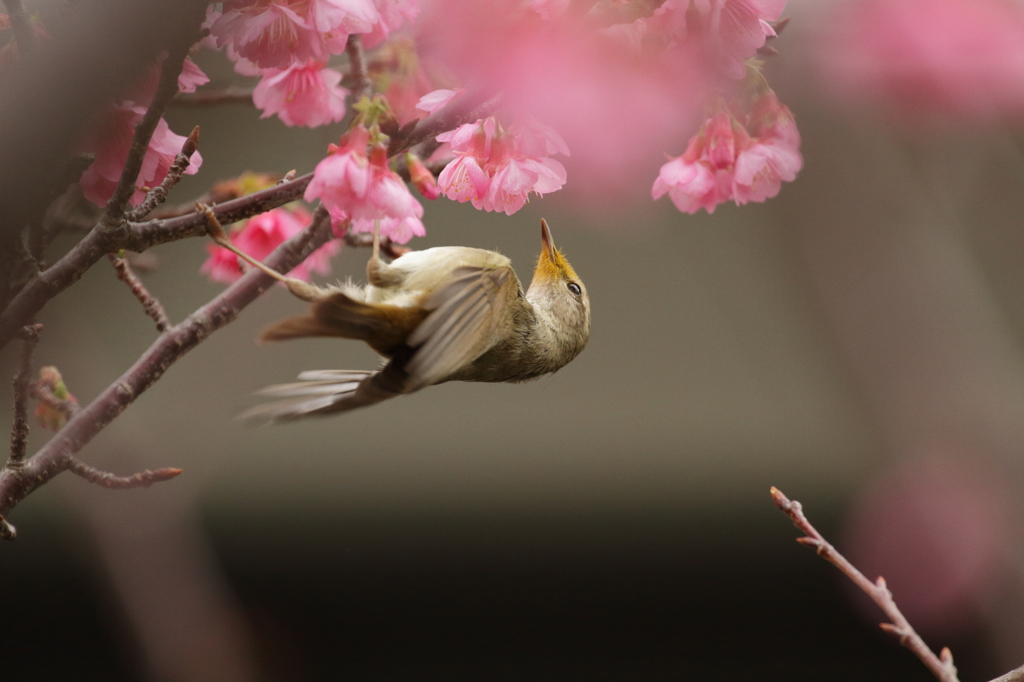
(466, 320)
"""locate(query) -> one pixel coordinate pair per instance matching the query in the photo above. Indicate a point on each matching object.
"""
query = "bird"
(448, 313)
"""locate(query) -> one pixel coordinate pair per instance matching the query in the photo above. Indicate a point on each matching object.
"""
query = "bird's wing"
(466, 318)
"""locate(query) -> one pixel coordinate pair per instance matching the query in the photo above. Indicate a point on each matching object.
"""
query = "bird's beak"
(547, 243)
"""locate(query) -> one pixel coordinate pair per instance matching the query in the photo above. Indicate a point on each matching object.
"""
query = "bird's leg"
(376, 269)
(303, 290)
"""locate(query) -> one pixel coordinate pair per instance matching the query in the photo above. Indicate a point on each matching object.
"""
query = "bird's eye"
(574, 288)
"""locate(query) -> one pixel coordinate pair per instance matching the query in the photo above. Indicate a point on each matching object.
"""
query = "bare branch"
(142, 479)
(158, 195)
(44, 394)
(208, 98)
(57, 454)
(165, 90)
(941, 666)
(1015, 675)
(21, 22)
(150, 304)
(19, 430)
(361, 83)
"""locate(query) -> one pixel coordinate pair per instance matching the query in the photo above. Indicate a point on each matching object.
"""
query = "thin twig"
(55, 456)
(207, 98)
(19, 430)
(21, 22)
(942, 665)
(7, 531)
(149, 302)
(165, 90)
(44, 394)
(158, 194)
(142, 479)
(361, 83)
(365, 240)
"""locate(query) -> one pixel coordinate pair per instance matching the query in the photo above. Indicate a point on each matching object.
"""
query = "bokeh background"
(856, 341)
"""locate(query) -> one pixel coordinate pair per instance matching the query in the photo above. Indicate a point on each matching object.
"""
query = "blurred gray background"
(609, 522)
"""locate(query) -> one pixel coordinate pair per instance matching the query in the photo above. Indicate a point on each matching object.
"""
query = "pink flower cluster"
(728, 159)
(258, 237)
(494, 168)
(111, 140)
(289, 42)
(959, 57)
(353, 185)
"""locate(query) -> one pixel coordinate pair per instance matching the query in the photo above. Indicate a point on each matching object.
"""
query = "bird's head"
(559, 291)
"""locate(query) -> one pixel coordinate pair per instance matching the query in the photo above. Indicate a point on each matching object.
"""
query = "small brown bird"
(449, 313)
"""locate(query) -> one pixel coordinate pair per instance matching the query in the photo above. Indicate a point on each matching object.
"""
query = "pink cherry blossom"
(957, 57)
(437, 100)
(335, 20)
(421, 177)
(343, 178)
(258, 237)
(111, 140)
(352, 185)
(497, 169)
(302, 95)
(393, 13)
(270, 34)
(729, 160)
(189, 79)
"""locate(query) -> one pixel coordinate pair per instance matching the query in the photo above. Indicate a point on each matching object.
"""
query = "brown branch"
(207, 98)
(150, 304)
(165, 90)
(19, 430)
(361, 83)
(44, 394)
(7, 531)
(141, 236)
(158, 195)
(365, 240)
(21, 22)
(1015, 675)
(142, 479)
(942, 665)
(57, 454)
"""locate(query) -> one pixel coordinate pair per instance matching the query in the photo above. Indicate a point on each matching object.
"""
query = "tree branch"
(165, 90)
(206, 98)
(150, 304)
(942, 665)
(141, 236)
(361, 83)
(19, 430)
(1015, 675)
(142, 479)
(158, 195)
(58, 454)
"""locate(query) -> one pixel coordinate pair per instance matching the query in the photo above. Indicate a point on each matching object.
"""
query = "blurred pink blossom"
(933, 527)
(728, 159)
(959, 57)
(111, 139)
(498, 169)
(302, 95)
(258, 237)
(615, 107)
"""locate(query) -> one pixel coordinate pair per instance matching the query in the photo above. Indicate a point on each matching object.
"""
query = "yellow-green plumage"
(443, 314)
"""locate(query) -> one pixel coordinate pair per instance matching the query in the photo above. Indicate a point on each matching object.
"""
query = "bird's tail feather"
(321, 392)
